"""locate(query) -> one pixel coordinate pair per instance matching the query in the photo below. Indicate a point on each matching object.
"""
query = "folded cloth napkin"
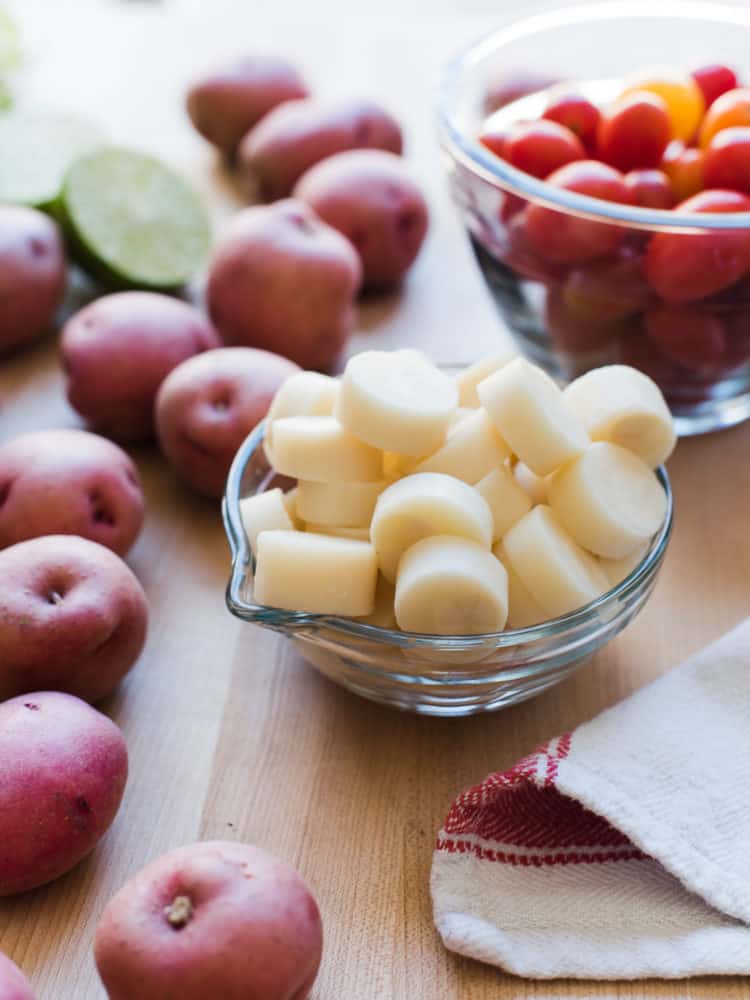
(621, 850)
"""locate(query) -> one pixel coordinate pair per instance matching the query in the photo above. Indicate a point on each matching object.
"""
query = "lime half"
(36, 149)
(136, 223)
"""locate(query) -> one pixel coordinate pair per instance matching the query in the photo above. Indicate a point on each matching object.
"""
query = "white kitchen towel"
(621, 850)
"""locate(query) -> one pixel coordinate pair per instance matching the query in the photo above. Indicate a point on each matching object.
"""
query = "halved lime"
(36, 150)
(136, 222)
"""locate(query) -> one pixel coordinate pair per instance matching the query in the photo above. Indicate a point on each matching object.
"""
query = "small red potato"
(69, 482)
(64, 771)
(370, 197)
(215, 919)
(13, 984)
(226, 103)
(118, 350)
(297, 134)
(208, 405)
(33, 275)
(73, 618)
(284, 281)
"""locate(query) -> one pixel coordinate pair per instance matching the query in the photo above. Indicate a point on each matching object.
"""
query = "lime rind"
(134, 220)
(36, 150)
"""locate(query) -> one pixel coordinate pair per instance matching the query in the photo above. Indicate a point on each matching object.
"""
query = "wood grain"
(230, 734)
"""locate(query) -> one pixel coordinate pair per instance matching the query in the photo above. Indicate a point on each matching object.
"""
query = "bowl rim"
(292, 621)
(467, 150)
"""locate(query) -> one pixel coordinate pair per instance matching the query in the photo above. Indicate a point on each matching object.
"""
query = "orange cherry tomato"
(684, 168)
(683, 97)
(728, 110)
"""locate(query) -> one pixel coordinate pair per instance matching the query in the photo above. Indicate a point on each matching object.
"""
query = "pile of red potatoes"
(211, 919)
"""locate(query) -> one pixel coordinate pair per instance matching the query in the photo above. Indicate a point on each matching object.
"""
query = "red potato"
(284, 281)
(33, 275)
(371, 197)
(69, 482)
(208, 405)
(227, 102)
(64, 771)
(298, 134)
(73, 618)
(214, 919)
(13, 984)
(117, 351)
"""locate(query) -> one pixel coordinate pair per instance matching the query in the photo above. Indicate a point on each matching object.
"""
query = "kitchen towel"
(621, 850)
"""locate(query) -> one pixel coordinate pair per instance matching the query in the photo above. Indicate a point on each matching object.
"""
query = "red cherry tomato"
(541, 147)
(560, 236)
(638, 351)
(495, 138)
(732, 108)
(684, 267)
(714, 81)
(695, 339)
(738, 336)
(651, 188)
(576, 331)
(521, 257)
(634, 131)
(609, 289)
(684, 168)
(727, 162)
(577, 114)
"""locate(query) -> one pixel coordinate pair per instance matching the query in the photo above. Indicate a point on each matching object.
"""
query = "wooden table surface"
(230, 734)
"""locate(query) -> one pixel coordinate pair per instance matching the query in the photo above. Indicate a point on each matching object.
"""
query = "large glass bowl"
(572, 315)
(434, 675)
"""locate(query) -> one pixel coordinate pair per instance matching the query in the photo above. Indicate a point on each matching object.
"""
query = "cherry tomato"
(577, 114)
(576, 331)
(650, 188)
(695, 339)
(727, 162)
(683, 97)
(684, 267)
(512, 85)
(738, 336)
(638, 351)
(517, 254)
(684, 168)
(541, 147)
(634, 131)
(510, 206)
(732, 108)
(495, 138)
(560, 236)
(609, 289)
(714, 81)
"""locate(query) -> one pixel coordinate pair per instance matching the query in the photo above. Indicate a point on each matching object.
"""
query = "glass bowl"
(433, 675)
(569, 315)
